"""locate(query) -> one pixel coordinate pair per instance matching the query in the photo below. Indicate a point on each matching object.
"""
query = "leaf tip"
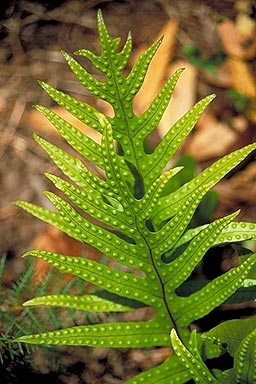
(48, 175)
(18, 203)
(22, 339)
(81, 52)
(51, 177)
(28, 303)
(211, 97)
(129, 36)
(66, 56)
(36, 137)
(160, 40)
(43, 85)
(100, 16)
(26, 254)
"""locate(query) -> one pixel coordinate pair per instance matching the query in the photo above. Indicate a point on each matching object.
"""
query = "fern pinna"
(125, 215)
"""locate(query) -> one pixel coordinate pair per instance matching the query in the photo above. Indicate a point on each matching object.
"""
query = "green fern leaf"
(171, 371)
(82, 111)
(172, 140)
(133, 335)
(238, 338)
(82, 143)
(192, 361)
(213, 294)
(169, 205)
(244, 370)
(122, 283)
(125, 215)
(82, 303)
(232, 333)
(233, 232)
(194, 253)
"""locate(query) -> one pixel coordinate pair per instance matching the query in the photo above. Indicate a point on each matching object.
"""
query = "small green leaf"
(138, 72)
(71, 166)
(172, 140)
(192, 362)
(94, 86)
(82, 111)
(83, 303)
(152, 116)
(232, 332)
(170, 204)
(80, 142)
(182, 267)
(214, 293)
(170, 371)
(118, 282)
(115, 335)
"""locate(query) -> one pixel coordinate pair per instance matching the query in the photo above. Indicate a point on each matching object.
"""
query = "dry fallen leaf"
(211, 139)
(52, 239)
(242, 79)
(157, 71)
(183, 98)
(221, 77)
(235, 40)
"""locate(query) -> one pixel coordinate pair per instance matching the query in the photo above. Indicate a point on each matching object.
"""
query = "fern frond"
(238, 337)
(122, 283)
(171, 371)
(169, 205)
(82, 303)
(82, 111)
(82, 143)
(192, 361)
(134, 335)
(173, 139)
(128, 216)
(180, 269)
(213, 293)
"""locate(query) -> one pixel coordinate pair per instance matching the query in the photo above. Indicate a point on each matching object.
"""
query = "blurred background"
(214, 41)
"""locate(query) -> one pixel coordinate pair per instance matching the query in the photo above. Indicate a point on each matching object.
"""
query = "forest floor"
(213, 40)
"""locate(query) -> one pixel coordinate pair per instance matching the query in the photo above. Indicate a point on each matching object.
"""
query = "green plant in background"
(130, 217)
(209, 64)
(236, 337)
(240, 101)
(16, 320)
